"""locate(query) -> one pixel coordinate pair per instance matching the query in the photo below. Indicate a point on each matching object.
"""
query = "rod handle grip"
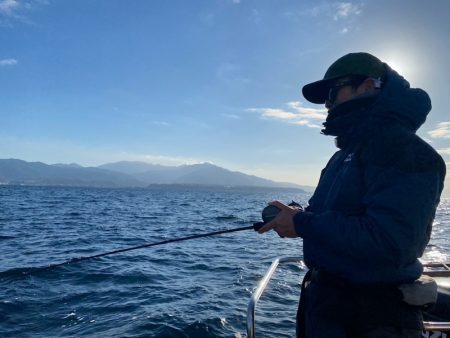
(258, 225)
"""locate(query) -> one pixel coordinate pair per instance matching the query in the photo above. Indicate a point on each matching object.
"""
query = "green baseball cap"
(351, 64)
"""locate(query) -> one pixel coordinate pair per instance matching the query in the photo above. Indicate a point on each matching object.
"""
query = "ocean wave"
(6, 237)
(197, 288)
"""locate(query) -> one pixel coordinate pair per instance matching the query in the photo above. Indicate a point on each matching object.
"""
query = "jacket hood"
(410, 106)
(396, 103)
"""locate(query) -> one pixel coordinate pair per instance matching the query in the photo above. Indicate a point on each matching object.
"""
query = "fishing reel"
(269, 213)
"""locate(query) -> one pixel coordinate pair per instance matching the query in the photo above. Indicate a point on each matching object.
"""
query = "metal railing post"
(260, 289)
(428, 326)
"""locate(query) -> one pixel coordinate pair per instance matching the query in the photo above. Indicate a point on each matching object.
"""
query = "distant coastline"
(15, 172)
(169, 187)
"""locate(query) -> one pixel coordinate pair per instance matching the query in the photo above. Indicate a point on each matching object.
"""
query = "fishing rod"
(268, 214)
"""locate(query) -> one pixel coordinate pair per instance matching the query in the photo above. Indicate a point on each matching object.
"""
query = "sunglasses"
(334, 89)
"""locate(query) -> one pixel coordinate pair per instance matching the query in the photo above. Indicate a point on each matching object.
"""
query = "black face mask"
(347, 115)
(345, 119)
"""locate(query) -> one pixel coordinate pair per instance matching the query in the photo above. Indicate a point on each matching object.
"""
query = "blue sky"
(178, 81)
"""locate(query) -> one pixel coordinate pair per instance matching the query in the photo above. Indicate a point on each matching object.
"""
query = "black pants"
(330, 307)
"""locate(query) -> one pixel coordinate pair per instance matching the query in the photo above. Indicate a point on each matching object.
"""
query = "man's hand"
(283, 224)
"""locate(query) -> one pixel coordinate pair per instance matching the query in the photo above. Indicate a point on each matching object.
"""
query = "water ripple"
(187, 289)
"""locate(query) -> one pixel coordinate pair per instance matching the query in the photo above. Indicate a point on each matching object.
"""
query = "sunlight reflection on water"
(439, 247)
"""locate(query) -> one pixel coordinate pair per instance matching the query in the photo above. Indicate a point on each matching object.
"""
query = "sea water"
(197, 288)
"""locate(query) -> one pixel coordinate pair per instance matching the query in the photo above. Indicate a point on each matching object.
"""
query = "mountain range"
(129, 174)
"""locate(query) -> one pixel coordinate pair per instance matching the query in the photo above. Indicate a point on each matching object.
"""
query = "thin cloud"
(278, 114)
(297, 114)
(18, 10)
(313, 11)
(341, 16)
(8, 62)
(158, 159)
(442, 131)
(8, 7)
(444, 151)
(345, 10)
(232, 116)
(307, 123)
(308, 113)
(338, 11)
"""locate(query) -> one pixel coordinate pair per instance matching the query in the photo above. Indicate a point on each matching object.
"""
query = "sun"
(410, 66)
(399, 67)
(405, 67)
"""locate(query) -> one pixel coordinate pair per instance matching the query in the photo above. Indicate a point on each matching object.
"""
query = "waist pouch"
(422, 292)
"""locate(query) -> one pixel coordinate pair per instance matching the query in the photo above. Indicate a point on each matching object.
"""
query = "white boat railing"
(260, 289)
(428, 326)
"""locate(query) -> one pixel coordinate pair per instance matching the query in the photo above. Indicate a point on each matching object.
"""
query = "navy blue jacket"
(370, 217)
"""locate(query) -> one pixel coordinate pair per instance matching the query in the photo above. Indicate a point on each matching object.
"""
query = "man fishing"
(370, 217)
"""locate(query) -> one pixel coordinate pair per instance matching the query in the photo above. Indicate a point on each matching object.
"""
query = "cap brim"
(317, 92)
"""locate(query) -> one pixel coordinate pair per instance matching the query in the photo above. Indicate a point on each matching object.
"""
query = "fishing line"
(268, 214)
(255, 226)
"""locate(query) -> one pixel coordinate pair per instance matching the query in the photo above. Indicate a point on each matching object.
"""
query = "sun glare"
(397, 66)
(404, 66)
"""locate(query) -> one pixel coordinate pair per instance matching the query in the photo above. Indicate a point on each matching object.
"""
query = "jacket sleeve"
(395, 226)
